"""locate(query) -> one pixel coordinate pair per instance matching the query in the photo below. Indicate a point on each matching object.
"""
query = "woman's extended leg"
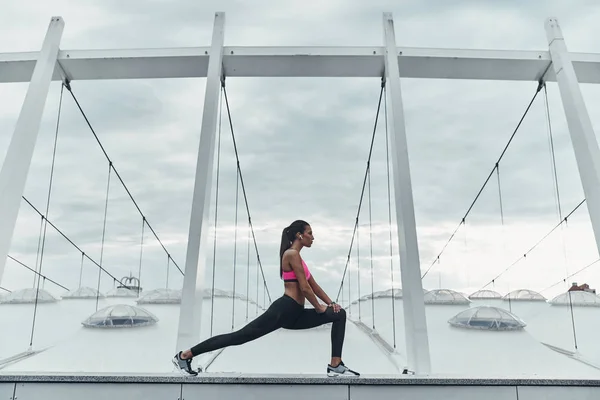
(266, 323)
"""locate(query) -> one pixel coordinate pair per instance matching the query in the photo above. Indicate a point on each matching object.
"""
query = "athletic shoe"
(184, 365)
(340, 370)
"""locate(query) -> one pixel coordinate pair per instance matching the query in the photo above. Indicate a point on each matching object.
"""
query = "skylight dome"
(445, 296)
(485, 294)
(397, 293)
(383, 294)
(487, 318)
(121, 292)
(577, 298)
(161, 296)
(83, 293)
(524, 295)
(208, 292)
(120, 316)
(28, 296)
(130, 282)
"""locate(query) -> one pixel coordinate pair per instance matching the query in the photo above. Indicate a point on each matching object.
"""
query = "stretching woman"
(288, 311)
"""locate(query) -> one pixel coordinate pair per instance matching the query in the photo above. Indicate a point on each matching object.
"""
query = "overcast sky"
(303, 147)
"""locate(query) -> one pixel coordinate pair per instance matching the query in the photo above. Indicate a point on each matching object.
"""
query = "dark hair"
(287, 237)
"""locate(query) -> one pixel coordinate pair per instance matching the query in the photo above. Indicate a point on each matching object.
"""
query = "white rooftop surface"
(455, 351)
(483, 353)
(55, 322)
(304, 352)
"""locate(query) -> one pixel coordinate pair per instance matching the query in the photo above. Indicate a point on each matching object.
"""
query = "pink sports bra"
(290, 276)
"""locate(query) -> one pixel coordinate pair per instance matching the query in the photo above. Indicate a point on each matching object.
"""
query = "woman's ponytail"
(287, 237)
(285, 244)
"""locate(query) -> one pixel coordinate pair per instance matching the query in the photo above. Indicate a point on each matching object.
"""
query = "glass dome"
(487, 318)
(383, 294)
(122, 292)
(28, 296)
(445, 296)
(577, 298)
(485, 294)
(218, 293)
(120, 316)
(524, 295)
(161, 296)
(362, 298)
(130, 282)
(83, 293)
(397, 293)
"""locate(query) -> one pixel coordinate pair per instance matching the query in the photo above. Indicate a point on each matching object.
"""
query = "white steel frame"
(190, 312)
(217, 60)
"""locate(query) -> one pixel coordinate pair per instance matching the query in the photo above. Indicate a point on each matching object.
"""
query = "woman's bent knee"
(338, 316)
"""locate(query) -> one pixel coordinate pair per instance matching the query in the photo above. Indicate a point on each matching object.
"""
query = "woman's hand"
(336, 307)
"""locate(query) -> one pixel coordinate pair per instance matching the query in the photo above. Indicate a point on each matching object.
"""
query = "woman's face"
(307, 238)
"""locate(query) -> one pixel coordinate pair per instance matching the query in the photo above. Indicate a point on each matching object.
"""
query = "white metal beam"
(300, 62)
(190, 312)
(13, 175)
(585, 145)
(415, 324)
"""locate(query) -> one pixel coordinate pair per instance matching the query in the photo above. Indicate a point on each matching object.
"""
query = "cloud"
(303, 146)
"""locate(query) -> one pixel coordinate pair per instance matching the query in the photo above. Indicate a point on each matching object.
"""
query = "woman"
(288, 311)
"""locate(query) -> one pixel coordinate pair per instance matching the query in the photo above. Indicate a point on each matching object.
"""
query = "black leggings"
(285, 313)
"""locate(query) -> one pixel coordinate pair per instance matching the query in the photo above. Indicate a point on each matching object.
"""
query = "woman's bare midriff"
(292, 289)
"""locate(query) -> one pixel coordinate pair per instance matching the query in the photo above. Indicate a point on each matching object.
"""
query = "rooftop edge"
(295, 379)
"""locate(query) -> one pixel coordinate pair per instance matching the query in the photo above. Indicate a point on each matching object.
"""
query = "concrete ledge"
(227, 379)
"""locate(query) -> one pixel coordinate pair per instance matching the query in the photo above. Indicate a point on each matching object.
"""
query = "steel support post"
(190, 314)
(13, 175)
(415, 324)
(580, 126)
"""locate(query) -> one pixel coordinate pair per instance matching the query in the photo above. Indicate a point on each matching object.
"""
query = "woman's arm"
(318, 291)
